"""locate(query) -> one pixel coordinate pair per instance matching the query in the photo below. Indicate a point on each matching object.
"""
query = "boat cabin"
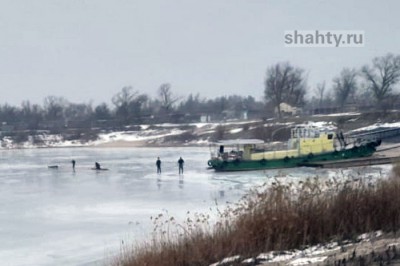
(305, 140)
(311, 139)
(239, 149)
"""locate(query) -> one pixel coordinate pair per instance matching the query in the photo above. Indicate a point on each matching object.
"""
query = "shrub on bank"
(279, 217)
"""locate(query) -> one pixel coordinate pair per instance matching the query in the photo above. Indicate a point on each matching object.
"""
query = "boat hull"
(289, 162)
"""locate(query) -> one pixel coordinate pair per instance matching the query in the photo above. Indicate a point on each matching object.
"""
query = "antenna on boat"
(341, 139)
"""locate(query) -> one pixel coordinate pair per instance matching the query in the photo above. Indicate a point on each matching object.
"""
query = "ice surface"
(62, 217)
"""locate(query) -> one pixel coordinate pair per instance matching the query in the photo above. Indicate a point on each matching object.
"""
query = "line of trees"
(372, 86)
(128, 107)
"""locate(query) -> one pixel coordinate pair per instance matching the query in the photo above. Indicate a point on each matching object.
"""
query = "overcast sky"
(89, 49)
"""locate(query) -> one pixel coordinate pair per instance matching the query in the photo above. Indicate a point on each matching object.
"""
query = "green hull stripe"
(243, 165)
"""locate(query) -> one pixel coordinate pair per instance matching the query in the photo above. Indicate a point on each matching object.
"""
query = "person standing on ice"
(180, 163)
(73, 164)
(158, 163)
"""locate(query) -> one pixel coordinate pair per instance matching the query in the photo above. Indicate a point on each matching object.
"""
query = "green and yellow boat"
(306, 145)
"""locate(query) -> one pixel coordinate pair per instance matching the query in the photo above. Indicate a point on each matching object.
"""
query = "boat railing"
(230, 156)
(227, 155)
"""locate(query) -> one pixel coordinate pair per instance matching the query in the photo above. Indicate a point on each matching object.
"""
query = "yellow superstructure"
(324, 143)
(268, 155)
(303, 141)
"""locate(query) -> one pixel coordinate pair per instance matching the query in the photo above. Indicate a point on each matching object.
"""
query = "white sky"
(89, 49)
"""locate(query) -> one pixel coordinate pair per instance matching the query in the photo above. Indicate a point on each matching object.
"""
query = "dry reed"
(278, 217)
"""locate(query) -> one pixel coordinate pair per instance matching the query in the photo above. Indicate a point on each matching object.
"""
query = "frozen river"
(61, 217)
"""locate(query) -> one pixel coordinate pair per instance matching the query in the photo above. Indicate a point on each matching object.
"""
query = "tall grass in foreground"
(275, 218)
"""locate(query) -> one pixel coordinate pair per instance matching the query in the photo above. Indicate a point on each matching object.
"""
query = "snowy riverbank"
(159, 135)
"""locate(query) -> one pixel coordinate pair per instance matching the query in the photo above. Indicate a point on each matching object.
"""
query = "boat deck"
(385, 155)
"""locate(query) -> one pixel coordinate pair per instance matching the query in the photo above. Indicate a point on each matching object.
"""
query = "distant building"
(287, 109)
(245, 115)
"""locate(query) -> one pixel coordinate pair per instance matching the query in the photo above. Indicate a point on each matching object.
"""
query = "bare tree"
(129, 104)
(166, 97)
(345, 86)
(124, 96)
(8, 113)
(382, 76)
(54, 107)
(102, 112)
(137, 105)
(78, 111)
(320, 90)
(31, 114)
(122, 101)
(284, 83)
